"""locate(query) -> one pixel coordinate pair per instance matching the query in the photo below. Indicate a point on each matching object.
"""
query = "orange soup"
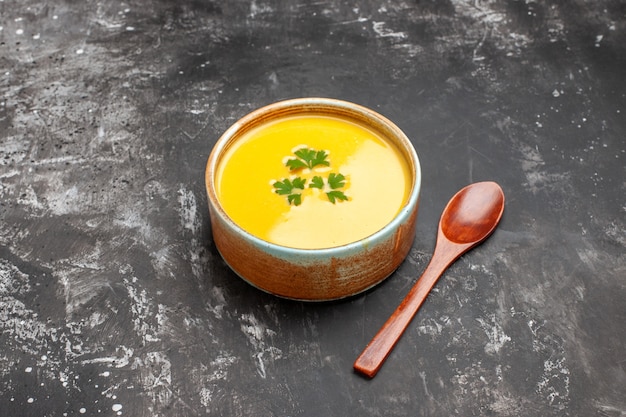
(312, 181)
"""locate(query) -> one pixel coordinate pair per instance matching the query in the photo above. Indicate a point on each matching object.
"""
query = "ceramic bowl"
(315, 274)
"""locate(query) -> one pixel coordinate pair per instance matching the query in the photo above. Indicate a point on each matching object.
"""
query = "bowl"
(313, 199)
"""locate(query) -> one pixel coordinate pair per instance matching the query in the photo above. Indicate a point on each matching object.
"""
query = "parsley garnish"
(286, 187)
(317, 182)
(307, 158)
(334, 181)
(336, 195)
(310, 158)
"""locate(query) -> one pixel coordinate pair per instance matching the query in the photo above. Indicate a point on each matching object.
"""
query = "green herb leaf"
(295, 164)
(320, 159)
(295, 199)
(336, 181)
(317, 182)
(306, 154)
(287, 187)
(283, 187)
(336, 195)
(307, 158)
(299, 183)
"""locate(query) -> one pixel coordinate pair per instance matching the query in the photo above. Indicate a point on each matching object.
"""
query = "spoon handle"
(375, 353)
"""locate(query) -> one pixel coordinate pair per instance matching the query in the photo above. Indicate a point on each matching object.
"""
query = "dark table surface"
(114, 300)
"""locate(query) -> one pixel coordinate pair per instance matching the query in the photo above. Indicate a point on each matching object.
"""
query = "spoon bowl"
(468, 219)
(473, 213)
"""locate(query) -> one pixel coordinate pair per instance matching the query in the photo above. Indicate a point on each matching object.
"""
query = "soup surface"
(312, 182)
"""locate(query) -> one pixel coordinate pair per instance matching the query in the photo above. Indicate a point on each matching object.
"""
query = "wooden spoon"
(468, 219)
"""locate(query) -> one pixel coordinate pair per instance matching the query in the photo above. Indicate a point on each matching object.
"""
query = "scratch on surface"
(496, 336)
(217, 303)
(9, 174)
(119, 361)
(610, 409)
(217, 371)
(537, 179)
(489, 21)
(188, 210)
(588, 256)
(358, 20)
(156, 378)
(554, 382)
(143, 310)
(430, 327)
(383, 32)
(475, 52)
(256, 333)
(422, 375)
(411, 50)
(255, 9)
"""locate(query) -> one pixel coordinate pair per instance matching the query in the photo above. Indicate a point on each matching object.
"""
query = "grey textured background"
(114, 300)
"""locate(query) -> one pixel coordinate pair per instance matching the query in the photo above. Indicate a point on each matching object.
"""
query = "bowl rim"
(316, 105)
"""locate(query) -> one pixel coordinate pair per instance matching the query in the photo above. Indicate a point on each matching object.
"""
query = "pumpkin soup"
(312, 181)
